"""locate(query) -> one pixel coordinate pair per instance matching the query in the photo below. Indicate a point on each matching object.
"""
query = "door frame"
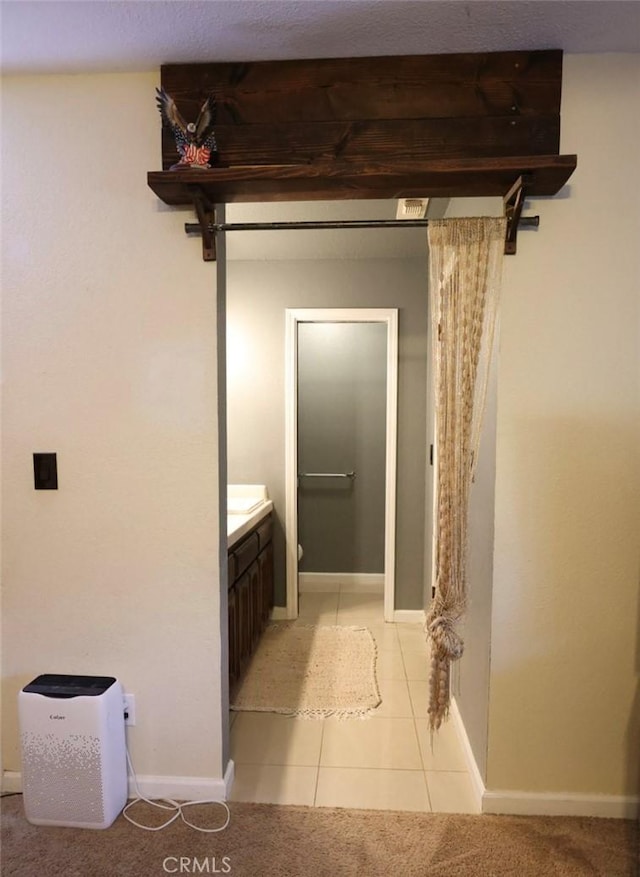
(293, 316)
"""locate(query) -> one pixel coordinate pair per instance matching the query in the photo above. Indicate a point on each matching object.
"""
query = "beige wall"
(109, 359)
(564, 656)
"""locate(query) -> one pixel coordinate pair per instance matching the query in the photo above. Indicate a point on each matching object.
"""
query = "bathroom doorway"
(341, 447)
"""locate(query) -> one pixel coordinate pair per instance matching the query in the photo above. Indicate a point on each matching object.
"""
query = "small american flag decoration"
(195, 141)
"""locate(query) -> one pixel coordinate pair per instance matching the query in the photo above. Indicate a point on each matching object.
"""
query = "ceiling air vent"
(412, 208)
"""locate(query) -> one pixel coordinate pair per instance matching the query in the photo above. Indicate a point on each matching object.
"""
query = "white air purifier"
(74, 757)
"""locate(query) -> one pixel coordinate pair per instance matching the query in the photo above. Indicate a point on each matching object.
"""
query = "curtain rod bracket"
(205, 211)
(513, 203)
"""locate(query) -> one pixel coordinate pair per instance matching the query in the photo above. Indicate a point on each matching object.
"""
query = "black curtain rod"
(194, 227)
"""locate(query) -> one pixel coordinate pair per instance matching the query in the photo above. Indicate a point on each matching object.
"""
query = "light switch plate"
(45, 471)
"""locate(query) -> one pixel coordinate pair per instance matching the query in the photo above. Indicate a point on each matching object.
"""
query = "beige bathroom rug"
(311, 671)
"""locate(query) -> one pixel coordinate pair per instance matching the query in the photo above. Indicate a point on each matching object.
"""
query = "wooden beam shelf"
(439, 126)
(339, 180)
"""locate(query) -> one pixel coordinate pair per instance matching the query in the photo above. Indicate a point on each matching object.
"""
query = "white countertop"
(238, 525)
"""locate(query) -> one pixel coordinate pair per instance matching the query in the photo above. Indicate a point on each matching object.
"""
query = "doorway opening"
(272, 281)
(342, 486)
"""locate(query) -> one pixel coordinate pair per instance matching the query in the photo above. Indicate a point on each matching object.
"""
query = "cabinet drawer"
(265, 532)
(245, 553)
(231, 569)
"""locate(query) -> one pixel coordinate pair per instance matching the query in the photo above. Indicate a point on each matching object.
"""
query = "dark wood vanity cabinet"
(250, 597)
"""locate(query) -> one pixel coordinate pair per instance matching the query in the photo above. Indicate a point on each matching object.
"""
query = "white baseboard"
(472, 766)
(409, 616)
(344, 582)
(179, 788)
(561, 804)
(279, 613)
(229, 778)
(517, 803)
(176, 788)
(11, 781)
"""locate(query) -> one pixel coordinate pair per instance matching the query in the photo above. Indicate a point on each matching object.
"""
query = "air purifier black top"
(58, 685)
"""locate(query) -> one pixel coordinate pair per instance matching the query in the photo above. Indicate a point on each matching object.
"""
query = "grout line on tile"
(426, 785)
(315, 791)
(415, 728)
(274, 764)
(385, 769)
(315, 785)
(424, 769)
(404, 666)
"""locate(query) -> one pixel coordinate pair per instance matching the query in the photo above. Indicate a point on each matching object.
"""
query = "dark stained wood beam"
(304, 143)
(434, 106)
(339, 180)
(400, 87)
(436, 126)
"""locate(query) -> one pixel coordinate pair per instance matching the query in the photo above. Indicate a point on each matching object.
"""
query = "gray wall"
(342, 408)
(257, 295)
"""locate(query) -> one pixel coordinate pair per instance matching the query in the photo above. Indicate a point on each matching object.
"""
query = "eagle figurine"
(195, 141)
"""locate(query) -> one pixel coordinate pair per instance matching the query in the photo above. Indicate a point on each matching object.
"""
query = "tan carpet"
(311, 671)
(265, 839)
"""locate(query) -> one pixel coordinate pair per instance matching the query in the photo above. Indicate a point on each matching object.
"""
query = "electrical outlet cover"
(130, 709)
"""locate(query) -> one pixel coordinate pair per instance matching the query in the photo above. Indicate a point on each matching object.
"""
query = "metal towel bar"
(326, 475)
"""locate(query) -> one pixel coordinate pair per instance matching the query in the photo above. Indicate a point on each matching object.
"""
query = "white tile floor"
(386, 762)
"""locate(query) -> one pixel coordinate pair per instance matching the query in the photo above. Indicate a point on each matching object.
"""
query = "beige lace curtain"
(465, 265)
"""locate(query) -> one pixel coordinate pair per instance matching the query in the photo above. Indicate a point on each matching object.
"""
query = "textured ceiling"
(47, 36)
(51, 36)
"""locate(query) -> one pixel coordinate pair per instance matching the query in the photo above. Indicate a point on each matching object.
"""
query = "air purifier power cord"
(175, 808)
